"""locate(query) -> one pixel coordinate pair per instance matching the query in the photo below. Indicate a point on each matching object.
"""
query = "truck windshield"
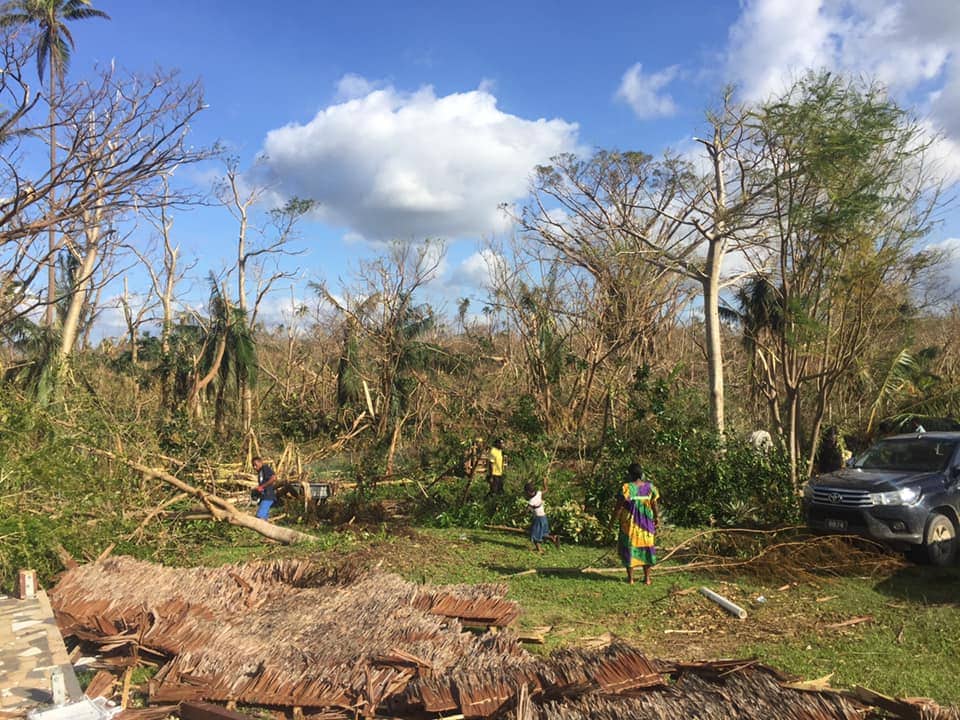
(908, 454)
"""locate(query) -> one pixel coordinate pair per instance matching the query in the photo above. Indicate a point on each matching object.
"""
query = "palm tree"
(228, 355)
(54, 45)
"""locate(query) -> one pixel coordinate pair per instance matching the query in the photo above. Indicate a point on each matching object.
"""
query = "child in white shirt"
(540, 527)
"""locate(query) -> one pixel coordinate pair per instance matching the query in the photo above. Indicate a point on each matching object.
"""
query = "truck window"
(908, 455)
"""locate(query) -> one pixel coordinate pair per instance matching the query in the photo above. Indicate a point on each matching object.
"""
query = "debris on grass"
(848, 623)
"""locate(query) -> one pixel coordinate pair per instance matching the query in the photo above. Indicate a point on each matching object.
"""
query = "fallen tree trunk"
(219, 508)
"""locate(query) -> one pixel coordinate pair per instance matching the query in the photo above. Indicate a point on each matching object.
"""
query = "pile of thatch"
(277, 633)
(352, 643)
(750, 695)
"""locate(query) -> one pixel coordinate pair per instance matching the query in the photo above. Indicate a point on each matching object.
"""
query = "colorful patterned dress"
(636, 541)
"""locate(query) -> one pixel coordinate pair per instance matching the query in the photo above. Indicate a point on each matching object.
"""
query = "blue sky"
(416, 121)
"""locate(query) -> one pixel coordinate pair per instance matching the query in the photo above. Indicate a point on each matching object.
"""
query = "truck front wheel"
(940, 541)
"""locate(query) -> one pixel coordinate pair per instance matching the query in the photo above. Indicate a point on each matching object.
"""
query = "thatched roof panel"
(351, 643)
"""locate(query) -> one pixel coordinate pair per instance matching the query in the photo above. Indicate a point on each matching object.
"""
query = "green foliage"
(53, 493)
(38, 345)
(54, 42)
(701, 480)
(178, 437)
(299, 419)
(476, 513)
(450, 451)
(524, 418)
(573, 523)
(349, 381)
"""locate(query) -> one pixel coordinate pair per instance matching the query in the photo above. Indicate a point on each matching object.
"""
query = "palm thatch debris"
(337, 644)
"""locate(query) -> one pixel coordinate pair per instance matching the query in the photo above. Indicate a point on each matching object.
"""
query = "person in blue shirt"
(266, 486)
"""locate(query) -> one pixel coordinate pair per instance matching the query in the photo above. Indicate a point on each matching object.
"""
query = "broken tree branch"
(219, 508)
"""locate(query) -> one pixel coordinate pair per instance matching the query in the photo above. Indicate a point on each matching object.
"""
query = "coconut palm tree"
(54, 45)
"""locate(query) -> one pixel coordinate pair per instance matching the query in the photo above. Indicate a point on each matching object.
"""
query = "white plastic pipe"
(720, 600)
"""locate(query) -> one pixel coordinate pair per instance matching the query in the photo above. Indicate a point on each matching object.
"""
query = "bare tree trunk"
(89, 315)
(170, 254)
(711, 317)
(716, 248)
(394, 440)
(132, 325)
(71, 322)
(793, 433)
(193, 400)
(52, 235)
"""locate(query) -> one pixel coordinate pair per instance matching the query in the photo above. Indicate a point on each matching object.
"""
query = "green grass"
(249, 546)
(908, 648)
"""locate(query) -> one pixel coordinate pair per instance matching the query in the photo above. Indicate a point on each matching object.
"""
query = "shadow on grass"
(521, 542)
(926, 585)
(563, 573)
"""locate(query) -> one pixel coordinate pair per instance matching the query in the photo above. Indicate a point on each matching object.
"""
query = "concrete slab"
(31, 647)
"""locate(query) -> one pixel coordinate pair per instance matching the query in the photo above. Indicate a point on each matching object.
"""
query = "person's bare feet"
(647, 581)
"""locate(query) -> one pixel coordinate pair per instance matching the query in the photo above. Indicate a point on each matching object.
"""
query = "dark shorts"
(539, 529)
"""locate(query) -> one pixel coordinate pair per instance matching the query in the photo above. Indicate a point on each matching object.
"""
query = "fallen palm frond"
(760, 553)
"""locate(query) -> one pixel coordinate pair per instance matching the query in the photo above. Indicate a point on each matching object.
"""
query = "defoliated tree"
(240, 198)
(54, 45)
(665, 214)
(390, 325)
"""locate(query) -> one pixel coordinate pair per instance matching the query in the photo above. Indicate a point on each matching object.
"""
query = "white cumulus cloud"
(773, 40)
(644, 93)
(477, 271)
(950, 268)
(912, 46)
(352, 86)
(388, 164)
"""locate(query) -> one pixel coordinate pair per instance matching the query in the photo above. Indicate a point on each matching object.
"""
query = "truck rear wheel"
(940, 541)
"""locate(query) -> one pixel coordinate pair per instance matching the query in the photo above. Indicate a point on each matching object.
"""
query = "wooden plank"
(850, 622)
(535, 635)
(101, 685)
(189, 710)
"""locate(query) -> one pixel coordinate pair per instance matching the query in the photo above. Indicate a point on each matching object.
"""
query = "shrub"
(575, 524)
(524, 418)
(701, 479)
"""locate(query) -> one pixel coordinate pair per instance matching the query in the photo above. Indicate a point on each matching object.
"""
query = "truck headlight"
(903, 496)
(808, 491)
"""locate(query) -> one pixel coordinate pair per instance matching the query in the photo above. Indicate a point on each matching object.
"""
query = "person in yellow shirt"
(495, 468)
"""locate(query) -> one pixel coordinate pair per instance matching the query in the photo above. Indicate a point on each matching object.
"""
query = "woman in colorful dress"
(639, 516)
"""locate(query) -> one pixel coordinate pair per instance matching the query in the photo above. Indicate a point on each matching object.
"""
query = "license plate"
(836, 524)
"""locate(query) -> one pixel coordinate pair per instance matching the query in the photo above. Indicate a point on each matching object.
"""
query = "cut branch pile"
(784, 553)
(331, 644)
(788, 553)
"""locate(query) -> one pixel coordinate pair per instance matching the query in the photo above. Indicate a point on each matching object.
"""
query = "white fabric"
(536, 505)
(761, 440)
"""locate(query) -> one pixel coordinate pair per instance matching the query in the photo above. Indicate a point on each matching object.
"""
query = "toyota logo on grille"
(835, 498)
